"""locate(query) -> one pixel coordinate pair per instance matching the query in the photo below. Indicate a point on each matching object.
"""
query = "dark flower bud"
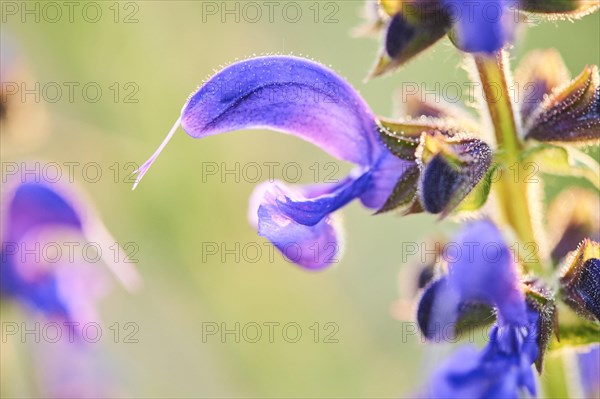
(403, 139)
(580, 280)
(450, 169)
(556, 9)
(413, 27)
(570, 114)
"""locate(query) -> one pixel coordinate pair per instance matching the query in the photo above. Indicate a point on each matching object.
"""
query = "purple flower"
(588, 365)
(37, 216)
(503, 369)
(482, 26)
(302, 98)
(481, 270)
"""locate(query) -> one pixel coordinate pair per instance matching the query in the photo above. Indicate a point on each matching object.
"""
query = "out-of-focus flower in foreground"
(481, 272)
(36, 271)
(45, 225)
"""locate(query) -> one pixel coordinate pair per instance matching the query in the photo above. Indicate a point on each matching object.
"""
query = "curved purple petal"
(310, 209)
(482, 26)
(287, 94)
(298, 220)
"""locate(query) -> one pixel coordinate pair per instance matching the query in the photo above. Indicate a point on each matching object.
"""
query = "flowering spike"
(141, 171)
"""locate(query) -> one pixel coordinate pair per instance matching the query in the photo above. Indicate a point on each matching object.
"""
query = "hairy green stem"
(511, 189)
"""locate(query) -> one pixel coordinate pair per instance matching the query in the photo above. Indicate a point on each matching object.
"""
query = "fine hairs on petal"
(141, 171)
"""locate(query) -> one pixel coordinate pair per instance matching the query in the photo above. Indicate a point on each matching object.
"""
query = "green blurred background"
(167, 53)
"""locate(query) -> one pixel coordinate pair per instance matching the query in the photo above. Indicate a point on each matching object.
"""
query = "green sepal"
(404, 192)
(473, 316)
(542, 300)
(479, 194)
(582, 333)
(563, 161)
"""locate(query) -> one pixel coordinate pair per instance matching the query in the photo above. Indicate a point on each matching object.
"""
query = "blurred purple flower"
(503, 369)
(36, 215)
(481, 270)
(303, 98)
(482, 26)
(588, 365)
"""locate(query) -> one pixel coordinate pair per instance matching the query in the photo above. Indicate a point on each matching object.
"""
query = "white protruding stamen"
(141, 171)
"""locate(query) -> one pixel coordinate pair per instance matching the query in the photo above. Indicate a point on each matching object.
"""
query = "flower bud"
(450, 168)
(570, 114)
(412, 28)
(580, 280)
(556, 9)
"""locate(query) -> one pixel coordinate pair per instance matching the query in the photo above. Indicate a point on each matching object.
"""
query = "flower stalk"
(511, 189)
